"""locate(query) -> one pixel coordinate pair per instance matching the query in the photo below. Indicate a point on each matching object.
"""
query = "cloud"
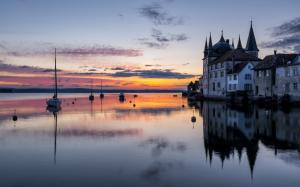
(23, 69)
(161, 40)
(92, 50)
(159, 16)
(286, 36)
(100, 50)
(118, 69)
(152, 65)
(153, 73)
(156, 45)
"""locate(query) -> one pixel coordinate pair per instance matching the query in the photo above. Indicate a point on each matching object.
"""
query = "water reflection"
(229, 131)
(108, 143)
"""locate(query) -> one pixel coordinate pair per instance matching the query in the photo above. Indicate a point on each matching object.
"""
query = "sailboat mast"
(55, 74)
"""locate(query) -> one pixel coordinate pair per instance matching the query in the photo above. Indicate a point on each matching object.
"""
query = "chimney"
(275, 52)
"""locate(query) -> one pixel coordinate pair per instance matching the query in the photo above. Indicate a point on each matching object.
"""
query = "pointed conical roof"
(251, 43)
(240, 46)
(222, 37)
(205, 48)
(232, 44)
(210, 42)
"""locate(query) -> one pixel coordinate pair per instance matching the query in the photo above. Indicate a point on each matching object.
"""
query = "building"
(241, 78)
(221, 58)
(277, 75)
(288, 78)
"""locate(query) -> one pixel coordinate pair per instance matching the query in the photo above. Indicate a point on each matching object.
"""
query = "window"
(210, 75)
(234, 77)
(230, 78)
(219, 85)
(295, 85)
(214, 86)
(260, 74)
(216, 74)
(295, 71)
(287, 72)
(287, 87)
(229, 86)
(222, 73)
(234, 86)
(248, 77)
(222, 65)
(267, 73)
(248, 87)
(257, 74)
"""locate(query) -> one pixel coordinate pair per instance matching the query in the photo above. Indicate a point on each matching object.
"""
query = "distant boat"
(122, 97)
(91, 97)
(54, 102)
(101, 92)
(184, 94)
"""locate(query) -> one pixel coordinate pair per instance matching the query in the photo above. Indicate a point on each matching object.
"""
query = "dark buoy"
(134, 105)
(91, 97)
(73, 103)
(135, 95)
(15, 117)
(182, 106)
(130, 101)
(193, 119)
(101, 96)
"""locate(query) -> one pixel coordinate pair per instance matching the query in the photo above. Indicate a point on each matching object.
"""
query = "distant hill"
(81, 90)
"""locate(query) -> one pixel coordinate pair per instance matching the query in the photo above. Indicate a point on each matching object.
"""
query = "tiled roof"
(236, 55)
(237, 68)
(275, 61)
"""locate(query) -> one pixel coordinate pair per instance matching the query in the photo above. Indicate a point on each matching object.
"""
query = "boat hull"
(54, 103)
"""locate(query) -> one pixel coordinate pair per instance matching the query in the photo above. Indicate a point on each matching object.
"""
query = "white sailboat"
(54, 102)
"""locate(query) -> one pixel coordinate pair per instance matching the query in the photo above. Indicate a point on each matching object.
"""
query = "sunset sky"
(132, 44)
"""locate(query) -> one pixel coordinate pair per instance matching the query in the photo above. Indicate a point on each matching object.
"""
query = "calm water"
(110, 143)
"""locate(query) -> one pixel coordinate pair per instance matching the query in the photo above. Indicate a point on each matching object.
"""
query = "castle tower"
(205, 49)
(251, 46)
(239, 46)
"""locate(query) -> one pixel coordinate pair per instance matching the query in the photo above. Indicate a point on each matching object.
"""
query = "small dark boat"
(122, 97)
(91, 97)
(184, 94)
(101, 92)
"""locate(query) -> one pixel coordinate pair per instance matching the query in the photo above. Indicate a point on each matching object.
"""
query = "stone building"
(288, 78)
(277, 75)
(222, 57)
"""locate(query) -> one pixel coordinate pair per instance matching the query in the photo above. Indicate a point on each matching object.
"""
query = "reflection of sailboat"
(91, 97)
(54, 101)
(55, 112)
(101, 92)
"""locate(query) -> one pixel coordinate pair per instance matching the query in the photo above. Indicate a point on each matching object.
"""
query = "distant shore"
(81, 90)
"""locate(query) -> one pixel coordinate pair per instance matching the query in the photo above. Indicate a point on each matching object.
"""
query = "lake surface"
(108, 143)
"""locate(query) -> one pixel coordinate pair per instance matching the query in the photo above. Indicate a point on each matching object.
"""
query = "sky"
(132, 44)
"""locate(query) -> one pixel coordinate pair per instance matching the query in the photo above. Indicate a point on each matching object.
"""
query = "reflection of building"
(228, 131)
